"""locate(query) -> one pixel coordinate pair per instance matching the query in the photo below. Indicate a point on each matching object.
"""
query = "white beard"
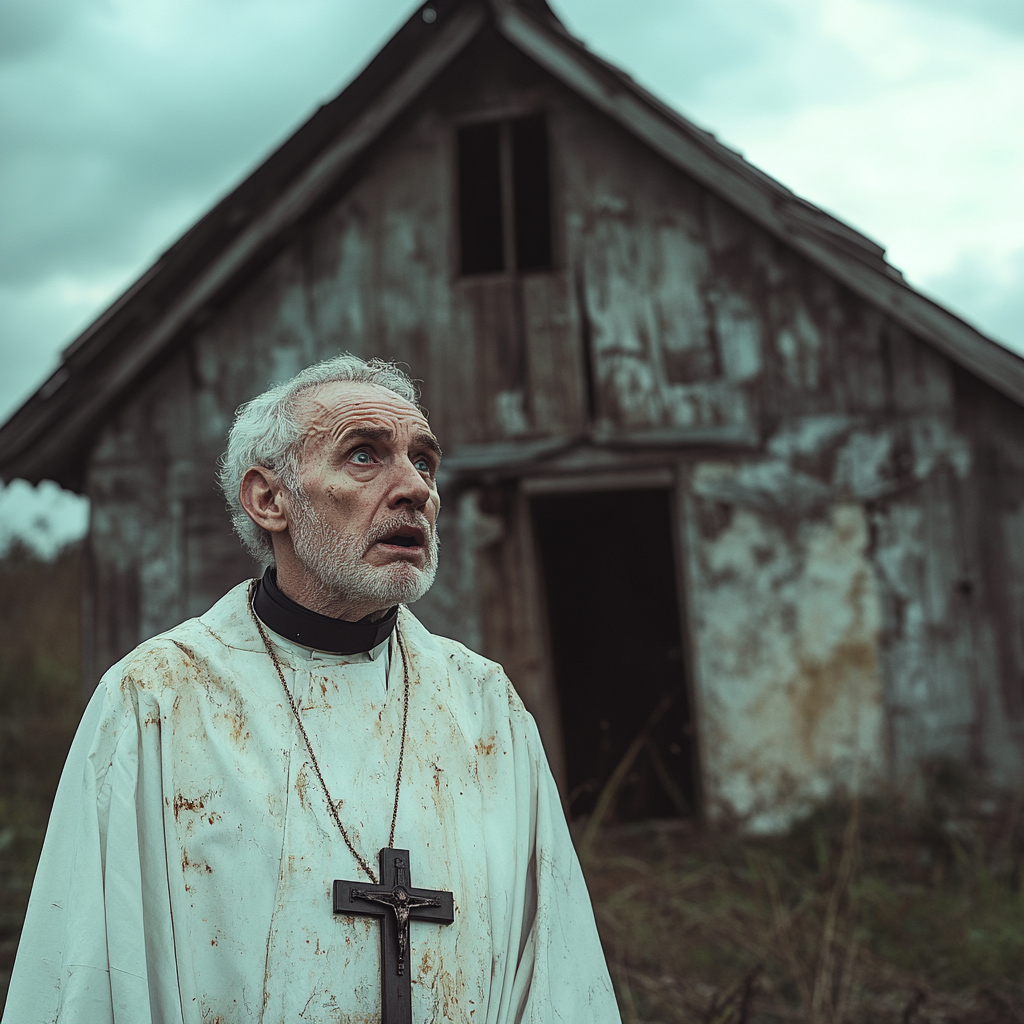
(335, 560)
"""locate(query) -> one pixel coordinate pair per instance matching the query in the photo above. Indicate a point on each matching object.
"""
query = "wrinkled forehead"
(329, 410)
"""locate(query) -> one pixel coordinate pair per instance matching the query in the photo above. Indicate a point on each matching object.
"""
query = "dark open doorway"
(608, 563)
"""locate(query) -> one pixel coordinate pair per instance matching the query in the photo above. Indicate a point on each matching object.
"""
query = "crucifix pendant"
(396, 903)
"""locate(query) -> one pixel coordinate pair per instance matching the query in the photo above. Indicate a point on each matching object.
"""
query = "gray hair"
(266, 433)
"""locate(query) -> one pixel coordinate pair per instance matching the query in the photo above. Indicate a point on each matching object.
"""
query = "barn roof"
(47, 437)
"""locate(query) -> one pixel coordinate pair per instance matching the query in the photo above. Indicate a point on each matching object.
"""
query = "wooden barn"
(719, 485)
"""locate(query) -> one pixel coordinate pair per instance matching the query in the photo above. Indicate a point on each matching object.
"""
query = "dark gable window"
(531, 192)
(504, 196)
(480, 213)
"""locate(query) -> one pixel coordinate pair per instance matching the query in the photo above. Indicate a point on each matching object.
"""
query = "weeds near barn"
(863, 913)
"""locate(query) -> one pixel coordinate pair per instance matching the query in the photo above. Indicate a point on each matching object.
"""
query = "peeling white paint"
(510, 410)
(769, 485)
(739, 337)
(707, 405)
(808, 435)
(788, 663)
(799, 344)
(862, 462)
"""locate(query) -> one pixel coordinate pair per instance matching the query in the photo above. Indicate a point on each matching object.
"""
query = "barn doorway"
(609, 569)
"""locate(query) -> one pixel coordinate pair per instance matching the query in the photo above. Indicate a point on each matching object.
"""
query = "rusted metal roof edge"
(41, 442)
(727, 174)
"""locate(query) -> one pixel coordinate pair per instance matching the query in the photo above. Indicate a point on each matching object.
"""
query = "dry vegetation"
(40, 704)
(864, 913)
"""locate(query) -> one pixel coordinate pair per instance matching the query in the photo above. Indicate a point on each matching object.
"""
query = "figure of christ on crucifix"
(395, 893)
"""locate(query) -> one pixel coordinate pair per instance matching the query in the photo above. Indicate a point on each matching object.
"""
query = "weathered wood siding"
(852, 507)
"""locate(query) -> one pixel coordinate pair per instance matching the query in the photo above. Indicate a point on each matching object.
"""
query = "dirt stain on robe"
(196, 804)
(239, 733)
(184, 803)
(301, 782)
(195, 865)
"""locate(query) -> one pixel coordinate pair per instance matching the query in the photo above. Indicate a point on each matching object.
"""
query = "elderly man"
(302, 806)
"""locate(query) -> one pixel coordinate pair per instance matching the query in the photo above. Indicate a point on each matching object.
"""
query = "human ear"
(263, 499)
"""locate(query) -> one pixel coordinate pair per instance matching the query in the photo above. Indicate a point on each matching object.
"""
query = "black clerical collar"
(289, 619)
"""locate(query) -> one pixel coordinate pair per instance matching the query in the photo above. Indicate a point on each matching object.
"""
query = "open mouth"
(404, 537)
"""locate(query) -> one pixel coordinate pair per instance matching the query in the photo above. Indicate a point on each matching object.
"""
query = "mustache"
(386, 527)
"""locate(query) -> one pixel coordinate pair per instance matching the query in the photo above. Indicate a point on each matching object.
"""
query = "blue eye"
(364, 458)
(422, 465)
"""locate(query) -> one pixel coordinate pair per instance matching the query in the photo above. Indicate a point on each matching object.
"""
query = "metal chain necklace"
(316, 767)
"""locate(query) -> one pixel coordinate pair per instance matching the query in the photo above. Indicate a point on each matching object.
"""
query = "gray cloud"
(991, 298)
(30, 25)
(698, 55)
(1005, 15)
(122, 123)
(107, 134)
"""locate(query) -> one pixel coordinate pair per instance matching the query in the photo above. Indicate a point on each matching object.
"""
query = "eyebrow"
(423, 440)
(428, 441)
(367, 434)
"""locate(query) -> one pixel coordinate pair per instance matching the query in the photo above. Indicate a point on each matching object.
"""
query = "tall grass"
(864, 913)
(40, 706)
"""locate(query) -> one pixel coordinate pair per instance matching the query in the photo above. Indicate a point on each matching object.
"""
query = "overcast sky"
(124, 120)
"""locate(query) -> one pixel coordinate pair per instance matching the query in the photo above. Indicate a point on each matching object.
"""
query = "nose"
(408, 486)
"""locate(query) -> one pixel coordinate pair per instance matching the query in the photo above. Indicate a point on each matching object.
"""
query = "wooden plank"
(689, 578)
(921, 379)
(1001, 545)
(636, 480)
(515, 620)
(727, 435)
(522, 454)
(554, 358)
(494, 314)
(474, 458)
(862, 366)
(928, 650)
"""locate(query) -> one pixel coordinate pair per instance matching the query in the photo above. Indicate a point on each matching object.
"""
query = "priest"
(302, 806)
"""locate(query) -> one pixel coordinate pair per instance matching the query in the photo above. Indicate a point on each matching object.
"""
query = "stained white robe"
(187, 871)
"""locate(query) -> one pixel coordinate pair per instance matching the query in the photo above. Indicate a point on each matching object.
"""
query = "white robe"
(187, 872)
